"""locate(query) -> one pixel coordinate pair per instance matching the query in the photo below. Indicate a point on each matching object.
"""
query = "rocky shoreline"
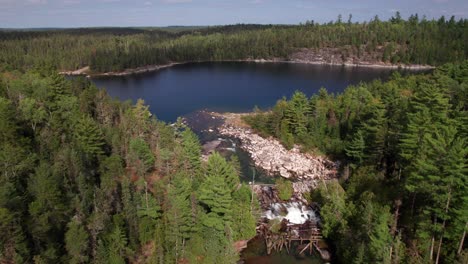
(304, 56)
(86, 71)
(334, 56)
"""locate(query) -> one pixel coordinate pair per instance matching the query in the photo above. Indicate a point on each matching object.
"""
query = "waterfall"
(294, 212)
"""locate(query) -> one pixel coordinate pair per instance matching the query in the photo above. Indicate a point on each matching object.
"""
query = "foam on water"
(294, 212)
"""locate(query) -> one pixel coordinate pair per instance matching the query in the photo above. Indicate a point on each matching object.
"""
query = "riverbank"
(305, 170)
(270, 155)
(294, 59)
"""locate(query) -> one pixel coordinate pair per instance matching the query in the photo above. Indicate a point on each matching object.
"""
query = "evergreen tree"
(76, 242)
(243, 217)
(141, 156)
(48, 212)
(296, 113)
(192, 153)
(355, 149)
(89, 137)
(179, 219)
(215, 192)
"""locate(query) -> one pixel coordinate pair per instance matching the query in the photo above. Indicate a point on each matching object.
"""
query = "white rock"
(271, 156)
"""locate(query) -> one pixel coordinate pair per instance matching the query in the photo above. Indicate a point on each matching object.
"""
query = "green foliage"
(192, 150)
(334, 211)
(89, 137)
(355, 149)
(243, 219)
(33, 112)
(215, 192)
(111, 169)
(179, 216)
(296, 114)
(76, 242)
(141, 154)
(285, 189)
(85, 178)
(7, 122)
(405, 142)
(116, 245)
(47, 210)
(410, 41)
(12, 243)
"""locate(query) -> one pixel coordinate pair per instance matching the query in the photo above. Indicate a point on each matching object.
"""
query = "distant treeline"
(399, 41)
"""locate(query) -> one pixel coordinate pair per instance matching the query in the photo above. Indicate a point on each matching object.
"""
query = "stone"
(271, 156)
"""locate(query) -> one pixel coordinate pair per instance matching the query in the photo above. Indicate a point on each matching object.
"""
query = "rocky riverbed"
(305, 170)
(272, 156)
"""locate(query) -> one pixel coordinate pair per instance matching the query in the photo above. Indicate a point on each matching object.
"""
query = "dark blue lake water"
(231, 86)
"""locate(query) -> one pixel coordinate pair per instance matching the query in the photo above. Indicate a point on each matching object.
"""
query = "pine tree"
(13, 247)
(355, 148)
(141, 156)
(76, 242)
(130, 210)
(215, 192)
(179, 220)
(8, 125)
(140, 116)
(192, 153)
(296, 113)
(243, 218)
(89, 137)
(115, 246)
(32, 112)
(47, 210)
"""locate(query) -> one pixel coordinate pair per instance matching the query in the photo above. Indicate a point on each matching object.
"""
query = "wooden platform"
(306, 233)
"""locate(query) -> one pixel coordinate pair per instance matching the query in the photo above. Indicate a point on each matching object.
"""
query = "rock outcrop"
(271, 156)
(348, 57)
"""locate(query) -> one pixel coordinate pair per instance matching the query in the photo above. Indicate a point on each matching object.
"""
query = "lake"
(231, 86)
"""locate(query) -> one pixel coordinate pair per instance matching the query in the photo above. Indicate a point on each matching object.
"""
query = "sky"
(130, 13)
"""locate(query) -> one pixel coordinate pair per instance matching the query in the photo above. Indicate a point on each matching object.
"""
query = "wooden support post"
(304, 248)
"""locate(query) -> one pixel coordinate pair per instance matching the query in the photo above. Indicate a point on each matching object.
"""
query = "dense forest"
(398, 41)
(87, 179)
(402, 197)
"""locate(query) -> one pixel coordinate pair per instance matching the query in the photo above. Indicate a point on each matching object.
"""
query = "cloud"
(256, 2)
(148, 3)
(72, 2)
(176, 1)
(37, 2)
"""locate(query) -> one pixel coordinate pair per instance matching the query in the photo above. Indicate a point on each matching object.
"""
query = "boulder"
(271, 156)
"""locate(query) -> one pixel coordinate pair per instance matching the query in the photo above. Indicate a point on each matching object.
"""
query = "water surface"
(231, 86)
